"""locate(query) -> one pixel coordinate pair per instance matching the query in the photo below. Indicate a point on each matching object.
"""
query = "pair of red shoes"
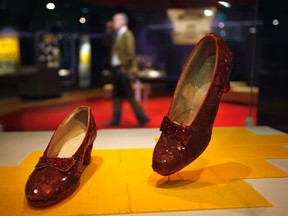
(186, 129)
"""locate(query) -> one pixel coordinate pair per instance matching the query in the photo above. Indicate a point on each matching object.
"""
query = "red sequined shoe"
(57, 174)
(187, 128)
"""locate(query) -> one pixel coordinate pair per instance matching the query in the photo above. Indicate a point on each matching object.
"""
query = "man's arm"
(130, 48)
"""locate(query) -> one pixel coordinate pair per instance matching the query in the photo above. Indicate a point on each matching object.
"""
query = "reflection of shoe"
(58, 172)
(187, 128)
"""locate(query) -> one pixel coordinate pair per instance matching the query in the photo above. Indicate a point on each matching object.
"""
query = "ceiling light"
(221, 25)
(222, 33)
(275, 22)
(208, 12)
(50, 6)
(225, 4)
(85, 10)
(252, 30)
(82, 20)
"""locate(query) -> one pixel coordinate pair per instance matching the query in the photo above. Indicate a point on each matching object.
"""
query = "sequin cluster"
(179, 132)
(62, 164)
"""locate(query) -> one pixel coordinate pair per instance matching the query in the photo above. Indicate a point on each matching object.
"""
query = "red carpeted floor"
(49, 117)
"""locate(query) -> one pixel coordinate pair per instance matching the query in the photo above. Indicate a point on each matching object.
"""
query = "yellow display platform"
(122, 180)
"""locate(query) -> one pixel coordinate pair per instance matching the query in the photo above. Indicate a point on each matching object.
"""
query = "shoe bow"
(62, 164)
(180, 132)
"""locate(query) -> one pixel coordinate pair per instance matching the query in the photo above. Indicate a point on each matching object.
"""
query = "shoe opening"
(70, 135)
(194, 82)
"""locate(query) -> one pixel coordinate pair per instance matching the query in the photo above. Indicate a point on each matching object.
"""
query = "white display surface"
(16, 146)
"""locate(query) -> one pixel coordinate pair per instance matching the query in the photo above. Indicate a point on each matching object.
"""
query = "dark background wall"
(273, 76)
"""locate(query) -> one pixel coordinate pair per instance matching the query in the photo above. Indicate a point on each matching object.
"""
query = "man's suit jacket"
(124, 47)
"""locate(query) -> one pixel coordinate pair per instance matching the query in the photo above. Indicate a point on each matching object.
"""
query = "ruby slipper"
(57, 173)
(187, 128)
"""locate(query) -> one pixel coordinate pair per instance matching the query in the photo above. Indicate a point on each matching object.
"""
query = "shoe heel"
(87, 156)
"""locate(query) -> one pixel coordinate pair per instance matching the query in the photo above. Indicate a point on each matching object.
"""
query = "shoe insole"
(72, 144)
(67, 141)
(192, 92)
